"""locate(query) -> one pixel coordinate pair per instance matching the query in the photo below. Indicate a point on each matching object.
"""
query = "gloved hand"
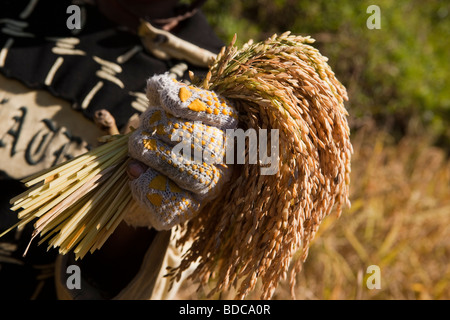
(175, 185)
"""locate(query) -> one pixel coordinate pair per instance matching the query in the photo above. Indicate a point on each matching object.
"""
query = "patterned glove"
(181, 138)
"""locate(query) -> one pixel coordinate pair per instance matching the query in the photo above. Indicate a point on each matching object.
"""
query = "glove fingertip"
(192, 103)
(165, 204)
(155, 85)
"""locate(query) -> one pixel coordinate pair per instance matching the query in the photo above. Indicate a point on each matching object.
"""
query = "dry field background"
(399, 221)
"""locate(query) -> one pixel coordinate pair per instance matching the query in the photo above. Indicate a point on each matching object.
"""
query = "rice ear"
(261, 226)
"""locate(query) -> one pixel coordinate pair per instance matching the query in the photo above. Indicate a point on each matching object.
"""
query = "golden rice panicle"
(261, 226)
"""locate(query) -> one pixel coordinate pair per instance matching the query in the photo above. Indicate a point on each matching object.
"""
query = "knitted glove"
(176, 183)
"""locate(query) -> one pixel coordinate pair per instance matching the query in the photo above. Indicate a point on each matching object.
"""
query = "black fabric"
(29, 60)
(29, 277)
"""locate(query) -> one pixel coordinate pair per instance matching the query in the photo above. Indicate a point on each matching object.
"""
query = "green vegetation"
(397, 75)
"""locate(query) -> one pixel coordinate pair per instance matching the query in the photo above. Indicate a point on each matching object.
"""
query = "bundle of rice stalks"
(79, 203)
(259, 224)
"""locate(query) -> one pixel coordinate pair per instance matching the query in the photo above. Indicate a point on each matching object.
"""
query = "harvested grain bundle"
(79, 203)
(257, 225)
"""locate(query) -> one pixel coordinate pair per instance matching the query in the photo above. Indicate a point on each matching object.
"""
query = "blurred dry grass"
(399, 220)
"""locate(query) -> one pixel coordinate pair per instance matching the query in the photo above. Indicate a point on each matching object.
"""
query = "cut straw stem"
(73, 186)
(76, 218)
(69, 199)
(79, 193)
(69, 164)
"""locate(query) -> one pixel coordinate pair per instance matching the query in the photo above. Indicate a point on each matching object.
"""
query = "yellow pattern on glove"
(180, 117)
